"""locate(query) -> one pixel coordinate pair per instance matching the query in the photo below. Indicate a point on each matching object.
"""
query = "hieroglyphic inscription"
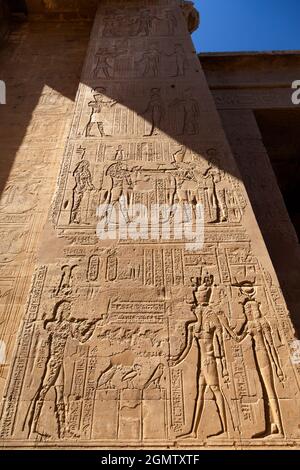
(143, 342)
(177, 401)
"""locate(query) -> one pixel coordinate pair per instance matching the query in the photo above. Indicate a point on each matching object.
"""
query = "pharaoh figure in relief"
(137, 338)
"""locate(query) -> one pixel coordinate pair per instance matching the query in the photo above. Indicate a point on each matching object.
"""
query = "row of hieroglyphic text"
(98, 357)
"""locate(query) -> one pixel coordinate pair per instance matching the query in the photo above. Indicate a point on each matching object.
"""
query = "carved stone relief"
(145, 342)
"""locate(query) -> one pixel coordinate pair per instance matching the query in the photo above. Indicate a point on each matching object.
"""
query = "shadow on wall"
(36, 55)
(4, 20)
(7, 8)
(32, 60)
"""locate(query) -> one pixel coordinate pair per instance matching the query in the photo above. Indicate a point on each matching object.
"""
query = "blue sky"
(247, 25)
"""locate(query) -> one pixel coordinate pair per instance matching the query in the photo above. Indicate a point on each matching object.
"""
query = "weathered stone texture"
(136, 343)
(41, 65)
(243, 85)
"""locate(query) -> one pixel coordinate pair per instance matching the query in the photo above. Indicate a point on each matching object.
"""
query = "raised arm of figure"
(84, 329)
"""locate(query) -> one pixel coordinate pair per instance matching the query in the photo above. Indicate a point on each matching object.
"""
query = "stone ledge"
(83, 9)
(191, 14)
